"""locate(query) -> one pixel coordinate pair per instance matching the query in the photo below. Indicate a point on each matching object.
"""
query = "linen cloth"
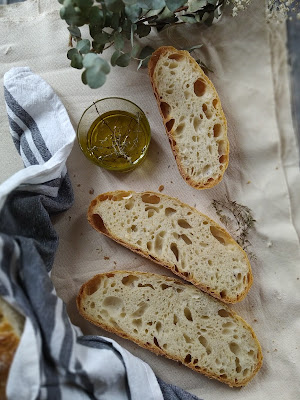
(59, 362)
(250, 73)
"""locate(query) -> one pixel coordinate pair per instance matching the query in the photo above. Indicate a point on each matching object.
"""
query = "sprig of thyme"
(238, 219)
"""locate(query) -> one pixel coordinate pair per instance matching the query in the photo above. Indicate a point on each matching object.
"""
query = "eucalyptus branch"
(117, 22)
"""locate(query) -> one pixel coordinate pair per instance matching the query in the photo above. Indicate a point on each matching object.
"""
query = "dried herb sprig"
(237, 218)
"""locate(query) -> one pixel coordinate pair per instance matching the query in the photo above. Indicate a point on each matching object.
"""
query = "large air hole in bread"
(192, 112)
(176, 236)
(175, 320)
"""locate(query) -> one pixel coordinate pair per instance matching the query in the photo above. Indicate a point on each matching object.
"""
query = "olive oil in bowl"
(116, 139)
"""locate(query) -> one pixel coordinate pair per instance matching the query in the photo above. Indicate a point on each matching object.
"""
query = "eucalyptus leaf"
(145, 56)
(76, 61)
(114, 5)
(74, 31)
(213, 2)
(95, 78)
(96, 16)
(189, 19)
(152, 13)
(98, 48)
(118, 41)
(167, 15)
(71, 53)
(129, 2)
(123, 60)
(83, 77)
(95, 29)
(195, 5)
(114, 57)
(102, 37)
(83, 46)
(89, 60)
(107, 17)
(92, 61)
(102, 65)
(146, 52)
(151, 4)
(72, 15)
(143, 30)
(84, 3)
(126, 28)
(96, 67)
(114, 22)
(133, 12)
(173, 5)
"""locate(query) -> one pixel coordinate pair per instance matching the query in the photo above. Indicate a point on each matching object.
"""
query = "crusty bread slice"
(11, 328)
(176, 236)
(192, 115)
(175, 320)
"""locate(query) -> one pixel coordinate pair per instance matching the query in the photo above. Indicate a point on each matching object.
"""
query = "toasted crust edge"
(100, 227)
(161, 51)
(156, 350)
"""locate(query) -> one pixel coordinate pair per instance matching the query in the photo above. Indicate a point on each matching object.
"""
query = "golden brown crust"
(85, 288)
(161, 51)
(99, 226)
(9, 341)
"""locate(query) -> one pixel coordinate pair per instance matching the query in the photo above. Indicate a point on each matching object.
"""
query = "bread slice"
(176, 236)
(192, 114)
(175, 320)
(11, 328)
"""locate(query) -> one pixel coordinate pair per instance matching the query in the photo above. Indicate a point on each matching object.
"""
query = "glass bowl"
(114, 133)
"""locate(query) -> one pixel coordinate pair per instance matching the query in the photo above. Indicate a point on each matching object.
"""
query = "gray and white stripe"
(63, 364)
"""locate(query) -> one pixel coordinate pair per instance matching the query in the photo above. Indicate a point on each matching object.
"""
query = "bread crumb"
(248, 182)
(161, 188)
(91, 191)
(106, 258)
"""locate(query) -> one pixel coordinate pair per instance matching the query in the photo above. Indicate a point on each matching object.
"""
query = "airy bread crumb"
(192, 114)
(176, 236)
(175, 320)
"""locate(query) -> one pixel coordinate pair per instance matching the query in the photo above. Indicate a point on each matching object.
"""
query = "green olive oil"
(117, 140)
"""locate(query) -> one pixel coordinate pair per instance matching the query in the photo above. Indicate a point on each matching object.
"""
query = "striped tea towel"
(54, 360)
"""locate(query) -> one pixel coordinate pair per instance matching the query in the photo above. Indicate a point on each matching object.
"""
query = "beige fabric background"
(248, 57)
